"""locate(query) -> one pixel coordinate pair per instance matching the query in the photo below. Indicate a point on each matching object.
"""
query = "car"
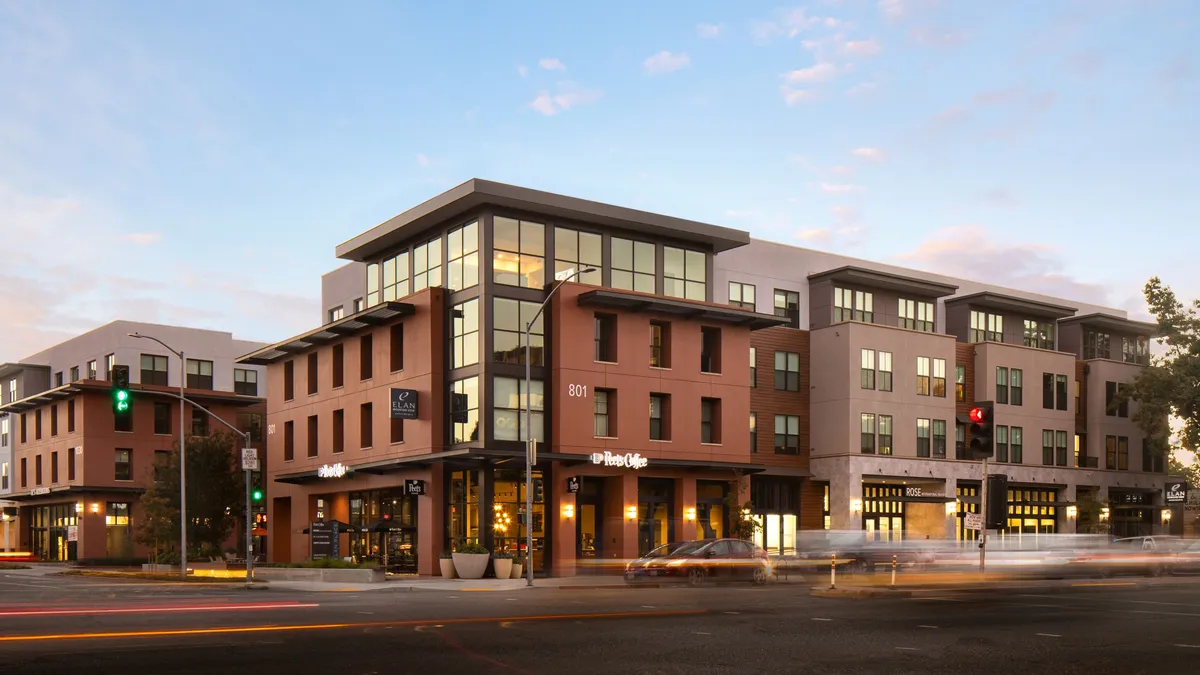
(700, 561)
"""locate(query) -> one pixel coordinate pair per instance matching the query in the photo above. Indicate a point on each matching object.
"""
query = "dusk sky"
(196, 163)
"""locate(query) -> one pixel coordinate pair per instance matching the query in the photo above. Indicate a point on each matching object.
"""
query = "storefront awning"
(72, 491)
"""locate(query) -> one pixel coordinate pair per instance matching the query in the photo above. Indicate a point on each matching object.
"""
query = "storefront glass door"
(656, 497)
(589, 525)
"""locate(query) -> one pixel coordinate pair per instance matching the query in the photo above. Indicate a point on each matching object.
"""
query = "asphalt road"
(74, 625)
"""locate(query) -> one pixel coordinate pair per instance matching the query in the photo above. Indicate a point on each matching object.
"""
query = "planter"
(503, 567)
(447, 565)
(516, 570)
(471, 565)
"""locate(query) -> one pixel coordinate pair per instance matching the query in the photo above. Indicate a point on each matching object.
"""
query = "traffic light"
(538, 490)
(256, 494)
(983, 421)
(120, 391)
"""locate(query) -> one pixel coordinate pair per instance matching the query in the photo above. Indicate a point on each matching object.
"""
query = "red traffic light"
(978, 415)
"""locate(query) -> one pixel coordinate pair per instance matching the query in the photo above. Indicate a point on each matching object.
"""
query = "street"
(51, 624)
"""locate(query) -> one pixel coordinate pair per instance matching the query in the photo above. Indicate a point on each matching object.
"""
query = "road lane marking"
(1107, 583)
(925, 626)
(731, 612)
(152, 610)
(1189, 646)
(1054, 635)
(907, 649)
(817, 618)
(697, 632)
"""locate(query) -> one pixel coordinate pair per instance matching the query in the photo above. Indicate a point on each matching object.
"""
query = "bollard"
(893, 570)
(833, 571)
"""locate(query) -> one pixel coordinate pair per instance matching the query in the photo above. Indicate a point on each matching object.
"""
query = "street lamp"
(529, 425)
(182, 458)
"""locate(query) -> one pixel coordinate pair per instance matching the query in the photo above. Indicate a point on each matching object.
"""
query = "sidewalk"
(945, 585)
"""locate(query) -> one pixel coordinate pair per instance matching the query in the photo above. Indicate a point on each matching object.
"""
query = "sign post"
(983, 504)
(249, 464)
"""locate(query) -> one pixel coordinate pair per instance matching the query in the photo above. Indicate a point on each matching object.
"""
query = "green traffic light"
(122, 395)
(258, 495)
(122, 406)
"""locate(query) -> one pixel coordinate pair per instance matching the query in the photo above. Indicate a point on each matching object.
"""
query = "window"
(199, 374)
(939, 439)
(1136, 350)
(575, 250)
(660, 344)
(71, 452)
(373, 284)
(312, 436)
(70, 416)
(109, 362)
(867, 374)
(366, 357)
(923, 375)
(337, 356)
(397, 430)
(1122, 452)
(339, 431)
(923, 446)
(162, 418)
(1152, 457)
(939, 377)
(1016, 378)
(54, 468)
(289, 441)
(37, 424)
(37, 470)
(1110, 453)
(74, 373)
(633, 266)
(366, 428)
(245, 381)
(123, 465)
(58, 379)
(4, 430)
(787, 305)
(519, 249)
(684, 274)
(1048, 391)
(710, 420)
(960, 383)
(867, 432)
(753, 432)
(1039, 334)
(787, 371)
(1001, 443)
(396, 346)
(851, 305)
(54, 420)
(659, 417)
(1047, 447)
(91, 370)
(787, 434)
(1095, 345)
(427, 265)
(24, 472)
(885, 371)
(602, 421)
(464, 410)
(23, 428)
(710, 349)
(12, 389)
(1060, 392)
(606, 338)
(1060, 448)
(510, 400)
(312, 373)
(508, 338)
(120, 423)
(916, 315)
(741, 295)
(336, 314)
(395, 277)
(462, 253)
(986, 327)
(199, 421)
(1115, 405)
(885, 434)
(289, 380)
(1001, 384)
(358, 305)
(754, 367)
(4, 474)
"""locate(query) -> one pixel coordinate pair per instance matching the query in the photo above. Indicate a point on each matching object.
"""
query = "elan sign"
(627, 460)
(1176, 491)
(404, 404)
(332, 470)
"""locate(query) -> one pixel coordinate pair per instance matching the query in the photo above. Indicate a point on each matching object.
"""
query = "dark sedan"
(696, 562)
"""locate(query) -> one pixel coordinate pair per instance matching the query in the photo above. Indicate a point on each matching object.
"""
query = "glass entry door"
(656, 498)
(589, 525)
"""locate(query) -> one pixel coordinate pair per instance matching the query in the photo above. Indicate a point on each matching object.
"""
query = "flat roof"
(689, 309)
(7, 369)
(1114, 323)
(68, 390)
(334, 330)
(885, 280)
(477, 192)
(1012, 303)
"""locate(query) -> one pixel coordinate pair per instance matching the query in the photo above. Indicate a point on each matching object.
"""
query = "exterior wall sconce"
(1104, 513)
(78, 507)
(951, 508)
(631, 512)
(689, 514)
(95, 507)
(856, 505)
(568, 511)
(746, 515)
(1072, 511)
(1166, 515)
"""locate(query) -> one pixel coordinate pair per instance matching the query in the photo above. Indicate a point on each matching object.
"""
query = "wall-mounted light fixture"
(95, 507)
(689, 513)
(856, 505)
(1104, 513)
(568, 511)
(1072, 511)
(951, 508)
(78, 507)
(1166, 515)
(631, 512)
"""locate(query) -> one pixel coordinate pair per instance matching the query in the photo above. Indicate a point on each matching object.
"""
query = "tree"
(158, 527)
(215, 498)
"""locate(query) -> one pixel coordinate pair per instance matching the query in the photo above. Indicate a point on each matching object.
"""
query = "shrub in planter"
(470, 561)
(518, 568)
(502, 562)
(446, 562)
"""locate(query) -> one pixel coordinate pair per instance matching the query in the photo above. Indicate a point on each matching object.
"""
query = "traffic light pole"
(983, 502)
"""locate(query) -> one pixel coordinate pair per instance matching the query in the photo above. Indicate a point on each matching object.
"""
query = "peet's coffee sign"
(414, 487)
(627, 460)
(404, 404)
(1176, 491)
(324, 540)
(332, 470)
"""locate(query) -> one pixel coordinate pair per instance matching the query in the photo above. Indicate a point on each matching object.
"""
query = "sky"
(196, 163)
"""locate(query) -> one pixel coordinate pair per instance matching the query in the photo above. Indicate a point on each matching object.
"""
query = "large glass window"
(154, 369)
(199, 374)
(462, 517)
(464, 410)
(508, 337)
(741, 295)
(372, 284)
(633, 265)
(787, 305)
(1039, 334)
(245, 382)
(787, 434)
(509, 401)
(395, 277)
(986, 327)
(575, 250)
(465, 334)
(885, 434)
(923, 438)
(916, 315)
(867, 428)
(462, 253)
(851, 305)
(519, 250)
(1096, 345)
(427, 265)
(508, 503)
(787, 371)
(684, 274)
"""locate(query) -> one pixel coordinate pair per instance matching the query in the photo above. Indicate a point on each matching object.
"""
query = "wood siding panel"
(767, 402)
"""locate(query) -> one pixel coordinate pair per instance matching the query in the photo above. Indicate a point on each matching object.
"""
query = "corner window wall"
(462, 253)
(372, 284)
(465, 334)
(427, 265)
(519, 249)
(395, 278)
(509, 401)
(464, 410)
(684, 274)
(574, 250)
(633, 265)
(508, 337)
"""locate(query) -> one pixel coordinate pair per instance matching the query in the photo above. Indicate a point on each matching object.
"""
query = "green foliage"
(331, 563)
(503, 555)
(472, 548)
(742, 525)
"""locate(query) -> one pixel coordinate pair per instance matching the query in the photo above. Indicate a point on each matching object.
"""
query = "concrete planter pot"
(447, 565)
(503, 567)
(471, 565)
(516, 570)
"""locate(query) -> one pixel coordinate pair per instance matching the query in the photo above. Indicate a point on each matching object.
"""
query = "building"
(73, 471)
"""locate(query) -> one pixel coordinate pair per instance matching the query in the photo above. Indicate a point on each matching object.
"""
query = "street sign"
(249, 459)
(973, 521)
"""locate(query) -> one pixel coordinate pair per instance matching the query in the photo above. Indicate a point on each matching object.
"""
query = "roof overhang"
(69, 390)
(861, 276)
(330, 332)
(475, 193)
(1012, 303)
(7, 369)
(700, 311)
(68, 490)
(1114, 323)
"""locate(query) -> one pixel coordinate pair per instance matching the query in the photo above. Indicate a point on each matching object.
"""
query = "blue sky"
(196, 163)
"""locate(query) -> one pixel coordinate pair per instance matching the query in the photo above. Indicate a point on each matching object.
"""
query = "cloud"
(861, 48)
(892, 9)
(522, 71)
(843, 171)
(568, 96)
(422, 160)
(846, 230)
(665, 62)
(785, 23)
(862, 89)
(820, 235)
(971, 252)
(900, 10)
(821, 72)
(1023, 107)
(143, 238)
(873, 154)
(841, 188)
(551, 64)
(797, 96)
(1002, 198)
(934, 37)
(708, 30)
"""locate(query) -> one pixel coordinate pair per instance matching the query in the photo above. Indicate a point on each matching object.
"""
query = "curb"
(858, 593)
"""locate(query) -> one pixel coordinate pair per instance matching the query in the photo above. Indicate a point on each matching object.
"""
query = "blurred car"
(696, 562)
